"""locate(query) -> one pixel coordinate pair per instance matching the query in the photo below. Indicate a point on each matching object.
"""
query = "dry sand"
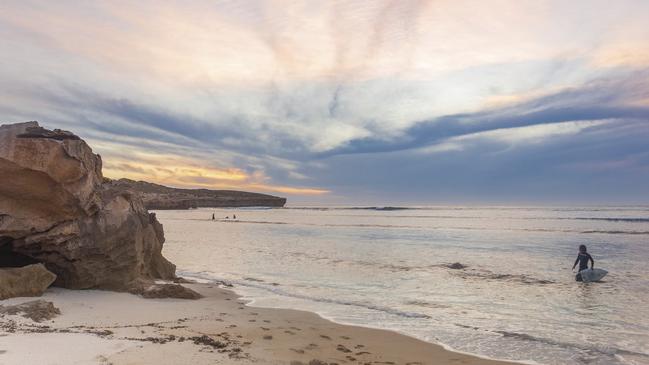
(100, 327)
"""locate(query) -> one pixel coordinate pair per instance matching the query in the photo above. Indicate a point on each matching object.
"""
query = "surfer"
(582, 259)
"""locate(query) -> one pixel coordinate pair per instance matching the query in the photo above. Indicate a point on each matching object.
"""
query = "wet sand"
(99, 327)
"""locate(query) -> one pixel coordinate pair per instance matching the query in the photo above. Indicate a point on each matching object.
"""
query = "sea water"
(515, 297)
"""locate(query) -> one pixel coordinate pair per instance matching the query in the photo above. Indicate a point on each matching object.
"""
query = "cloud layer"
(382, 101)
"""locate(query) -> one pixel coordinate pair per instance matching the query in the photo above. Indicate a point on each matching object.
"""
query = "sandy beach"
(367, 182)
(102, 327)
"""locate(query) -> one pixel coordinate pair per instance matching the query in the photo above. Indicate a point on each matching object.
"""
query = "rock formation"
(56, 209)
(162, 197)
(27, 281)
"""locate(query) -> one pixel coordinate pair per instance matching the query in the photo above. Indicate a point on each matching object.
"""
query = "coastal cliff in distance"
(158, 197)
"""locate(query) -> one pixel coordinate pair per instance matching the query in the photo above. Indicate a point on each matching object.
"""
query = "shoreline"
(252, 303)
(120, 328)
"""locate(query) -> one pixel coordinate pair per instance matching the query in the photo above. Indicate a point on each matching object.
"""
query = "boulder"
(57, 209)
(27, 281)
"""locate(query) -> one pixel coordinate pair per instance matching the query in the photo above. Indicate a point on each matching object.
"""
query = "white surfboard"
(589, 275)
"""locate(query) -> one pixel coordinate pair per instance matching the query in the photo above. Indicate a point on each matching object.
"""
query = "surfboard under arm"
(589, 275)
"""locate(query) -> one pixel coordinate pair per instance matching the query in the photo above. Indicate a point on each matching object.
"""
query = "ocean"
(512, 296)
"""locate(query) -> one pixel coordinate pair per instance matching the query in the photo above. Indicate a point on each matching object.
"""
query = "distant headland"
(158, 197)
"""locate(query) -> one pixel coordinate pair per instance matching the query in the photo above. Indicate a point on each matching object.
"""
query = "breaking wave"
(398, 226)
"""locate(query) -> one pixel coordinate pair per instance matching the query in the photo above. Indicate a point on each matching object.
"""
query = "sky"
(345, 102)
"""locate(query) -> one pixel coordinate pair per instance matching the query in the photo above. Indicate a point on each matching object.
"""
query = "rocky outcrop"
(27, 281)
(55, 209)
(162, 197)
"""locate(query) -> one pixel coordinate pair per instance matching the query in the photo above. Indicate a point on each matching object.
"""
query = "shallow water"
(388, 268)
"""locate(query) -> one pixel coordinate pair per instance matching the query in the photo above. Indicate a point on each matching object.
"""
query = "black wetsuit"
(583, 258)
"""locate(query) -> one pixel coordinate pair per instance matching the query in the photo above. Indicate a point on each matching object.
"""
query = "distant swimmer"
(582, 259)
(234, 216)
(213, 217)
(227, 217)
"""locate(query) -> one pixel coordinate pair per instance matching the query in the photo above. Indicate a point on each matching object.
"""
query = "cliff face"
(162, 197)
(56, 210)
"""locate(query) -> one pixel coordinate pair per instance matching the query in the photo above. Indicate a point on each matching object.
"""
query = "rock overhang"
(57, 209)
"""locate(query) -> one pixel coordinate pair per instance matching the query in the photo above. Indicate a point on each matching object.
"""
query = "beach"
(102, 327)
(354, 285)
(493, 281)
(324, 182)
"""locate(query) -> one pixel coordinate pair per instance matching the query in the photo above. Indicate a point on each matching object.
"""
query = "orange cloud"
(627, 54)
(180, 172)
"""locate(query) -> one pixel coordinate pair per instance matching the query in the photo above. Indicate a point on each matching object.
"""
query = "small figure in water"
(227, 217)
(582, 258)
(213, 217)
(234, 216)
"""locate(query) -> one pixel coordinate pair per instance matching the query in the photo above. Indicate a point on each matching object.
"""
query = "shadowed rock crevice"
(57, 209)
(10, 258)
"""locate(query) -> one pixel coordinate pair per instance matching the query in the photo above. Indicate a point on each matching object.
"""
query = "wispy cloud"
(595, 101)
(351, 98)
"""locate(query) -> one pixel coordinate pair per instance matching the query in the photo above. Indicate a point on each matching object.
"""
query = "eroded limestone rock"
(56, 209)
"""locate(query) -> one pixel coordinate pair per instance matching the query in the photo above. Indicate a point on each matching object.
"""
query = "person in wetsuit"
(582, 259)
